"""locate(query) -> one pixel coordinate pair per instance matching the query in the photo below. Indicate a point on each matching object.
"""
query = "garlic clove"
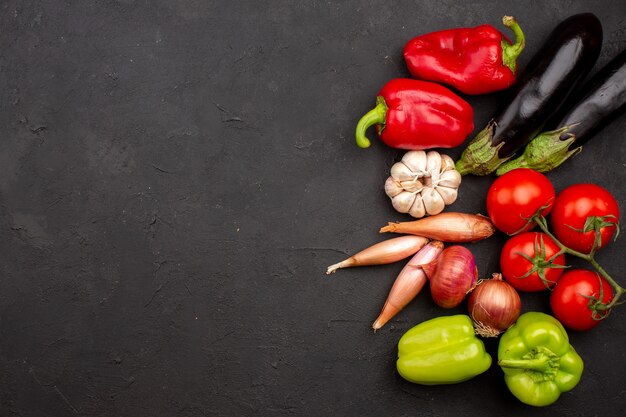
(448, 194)
(433, 164)
(450, 179)
(447, 163)
(433, 203)
(401, 172)
(412, 186)
(392, 187)
(403, 201)
(417, 209)
(415, 161)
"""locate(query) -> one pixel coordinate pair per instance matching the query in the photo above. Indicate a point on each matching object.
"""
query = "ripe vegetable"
(618, 290)
(408, 284)
(385, 252)
(531, 261)
(600, 101)
(447, 227)
(565, 59)
(581, 209)
(452, 275)
(494, 305)
(414, 114)
(422, 183)
(475, 60)
(576, 299)
(537, 360)
(443, 350)
(516, 196)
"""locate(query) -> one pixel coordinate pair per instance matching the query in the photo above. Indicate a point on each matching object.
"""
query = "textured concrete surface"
(175, 176)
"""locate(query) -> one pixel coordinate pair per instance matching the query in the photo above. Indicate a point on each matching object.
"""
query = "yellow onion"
(494, 305)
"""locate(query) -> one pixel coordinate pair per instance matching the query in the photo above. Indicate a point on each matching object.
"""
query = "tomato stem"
(618, 290)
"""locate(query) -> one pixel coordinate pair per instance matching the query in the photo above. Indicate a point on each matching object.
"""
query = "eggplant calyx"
(481, 157)
(545, 152)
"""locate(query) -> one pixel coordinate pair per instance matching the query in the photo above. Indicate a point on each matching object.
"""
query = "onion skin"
(494, 305)
(447, 227)
(409, 283)
(385, 252)
(452, 275)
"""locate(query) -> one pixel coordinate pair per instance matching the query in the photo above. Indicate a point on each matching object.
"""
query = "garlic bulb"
(423, 183)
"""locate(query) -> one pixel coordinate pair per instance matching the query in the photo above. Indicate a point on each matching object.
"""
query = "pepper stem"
(376, 116)
(511, 52)
(540, 364)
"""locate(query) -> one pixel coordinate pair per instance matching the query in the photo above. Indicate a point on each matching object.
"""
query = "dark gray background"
(175, 176)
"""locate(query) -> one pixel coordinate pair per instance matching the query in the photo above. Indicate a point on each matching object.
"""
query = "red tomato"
(571, 209)
(570, 300)
(515, 196)
(515, 264)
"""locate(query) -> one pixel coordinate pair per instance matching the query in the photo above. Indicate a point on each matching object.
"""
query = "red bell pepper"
(414, 114)
(473, 60)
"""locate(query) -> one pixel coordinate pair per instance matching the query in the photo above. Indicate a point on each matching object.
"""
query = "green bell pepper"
(537, 359)
(443, 350)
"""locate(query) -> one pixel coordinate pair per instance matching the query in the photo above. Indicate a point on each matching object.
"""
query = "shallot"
(408, 284)
(447, 227)
(385, 252)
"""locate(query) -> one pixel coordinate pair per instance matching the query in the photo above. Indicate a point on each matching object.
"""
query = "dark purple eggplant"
(600, 101)
(566, 57)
